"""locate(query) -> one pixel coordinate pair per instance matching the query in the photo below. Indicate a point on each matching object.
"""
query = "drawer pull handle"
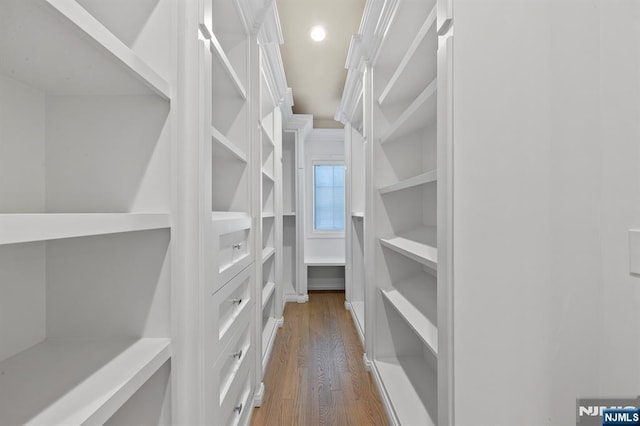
(237, 354)
(237, 246)
(238, 409)
(236, 301)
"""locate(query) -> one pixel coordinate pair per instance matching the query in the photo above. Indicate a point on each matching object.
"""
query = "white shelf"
(324, 261)
(419, 115)
(267, 291)
(267, 133)
(424, 327)
(229, 148)
(410, 57)
(218, 216)
(69, 51)
(76, 382)
(266, 173)
(289, 214)
(216, 48)
(268, 333)
(267, 252)
(22, 228)
(421, 179)
(412, 388)
(414, 246)
(357, 214)
(268, 215)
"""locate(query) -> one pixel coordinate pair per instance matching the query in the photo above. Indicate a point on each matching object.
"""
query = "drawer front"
(233, 360)
(238, 405)
(227, 309)
(231, 249)
(227, 376)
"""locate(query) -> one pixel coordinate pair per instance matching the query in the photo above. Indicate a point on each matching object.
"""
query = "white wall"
(547, 182)
(321, 144)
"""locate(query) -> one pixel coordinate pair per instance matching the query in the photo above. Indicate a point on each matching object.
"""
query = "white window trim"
(313, 233)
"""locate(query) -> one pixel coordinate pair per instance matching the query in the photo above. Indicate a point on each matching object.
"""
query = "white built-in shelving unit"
(289, 218)
(403, 135)
(270, 312)
(226, 216)
(354, 232)
(85, 211)
(270, 111)
(391, 94)
(296, 129)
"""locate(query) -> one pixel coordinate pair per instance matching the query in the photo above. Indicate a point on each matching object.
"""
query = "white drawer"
(230, 245)
(233, 361)
(227, 309)
(238, 405)
(228, 372)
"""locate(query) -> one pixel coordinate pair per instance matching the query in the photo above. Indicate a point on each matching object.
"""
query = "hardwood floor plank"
(316, 375)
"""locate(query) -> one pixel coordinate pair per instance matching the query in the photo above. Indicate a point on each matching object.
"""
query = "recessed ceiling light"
(318, 33)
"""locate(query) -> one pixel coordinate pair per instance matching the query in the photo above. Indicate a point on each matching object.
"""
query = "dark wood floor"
(316, 375)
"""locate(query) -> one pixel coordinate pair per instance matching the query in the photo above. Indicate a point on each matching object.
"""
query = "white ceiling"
(315, 70)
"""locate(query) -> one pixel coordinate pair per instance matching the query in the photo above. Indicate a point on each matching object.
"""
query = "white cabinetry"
(392, 96)
(226, 222)
(85, 211)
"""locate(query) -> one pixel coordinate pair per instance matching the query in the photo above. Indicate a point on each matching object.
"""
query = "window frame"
(322, 233)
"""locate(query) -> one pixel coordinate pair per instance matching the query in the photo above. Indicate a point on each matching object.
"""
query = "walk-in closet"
(319, 212)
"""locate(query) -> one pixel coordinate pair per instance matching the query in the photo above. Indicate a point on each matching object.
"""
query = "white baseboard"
(367, 364)
(358, 328)
(386, 402)
(297, 298)
(272, 338)
(258, 396)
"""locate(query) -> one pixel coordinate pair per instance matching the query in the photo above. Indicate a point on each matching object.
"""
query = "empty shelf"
(89, 59)
(217, 216)
(267, 291)
(216, 48)
(228, 147)
(268, 215)
(422, 179)
(267, 129)
(417, 320)
(357, 214)
(267, 252)
(76, 382)
(266, 173)
(413, 66)
(289, 214)
(413, 246)
(420, 114)
(22, 228)
(412, 388)
(324, 261)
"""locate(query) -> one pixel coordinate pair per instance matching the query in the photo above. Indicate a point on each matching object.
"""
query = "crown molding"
(363, 50)
(303, 123)
(269, 32)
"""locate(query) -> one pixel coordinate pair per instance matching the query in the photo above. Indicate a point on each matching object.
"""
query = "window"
(328, 197)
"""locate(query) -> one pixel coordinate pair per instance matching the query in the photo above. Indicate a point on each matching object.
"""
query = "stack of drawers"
(229, 347)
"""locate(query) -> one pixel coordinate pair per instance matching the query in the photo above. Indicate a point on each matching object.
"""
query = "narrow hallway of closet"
(318, 212)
